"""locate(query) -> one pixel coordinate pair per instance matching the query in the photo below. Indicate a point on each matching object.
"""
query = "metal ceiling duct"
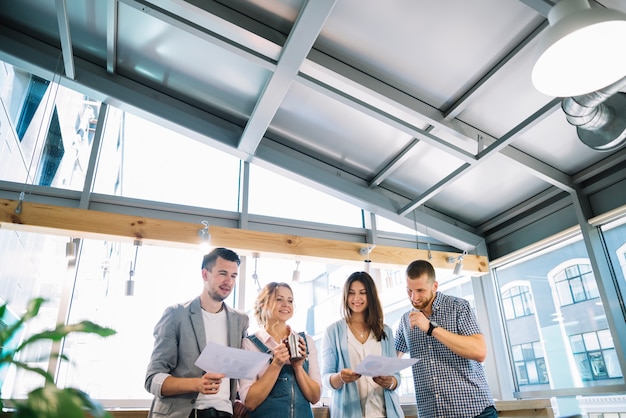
(599, 117)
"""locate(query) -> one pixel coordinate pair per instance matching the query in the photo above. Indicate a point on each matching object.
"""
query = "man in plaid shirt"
(442, 332)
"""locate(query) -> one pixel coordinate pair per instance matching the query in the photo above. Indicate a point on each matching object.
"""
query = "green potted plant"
(47, 401)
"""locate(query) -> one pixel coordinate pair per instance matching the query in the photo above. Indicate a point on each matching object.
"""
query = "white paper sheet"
(233, 362)
(383, 366)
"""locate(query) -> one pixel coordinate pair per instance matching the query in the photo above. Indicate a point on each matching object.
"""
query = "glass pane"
(577, 289)
(163, 276)
(564, 293)
(590, 286)
(384, 224)
(279, 196)
(507, 305)
(542, 371)
(532, 372)
(558, 323)
(48, 131)
(605, 339)
(143, 160)
(612, 363)
(598, 367)
(577, 343)
(591, 341)
(31, 265)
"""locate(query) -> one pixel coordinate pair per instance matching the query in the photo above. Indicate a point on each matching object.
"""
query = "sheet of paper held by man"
(233, 362)
(382, 366)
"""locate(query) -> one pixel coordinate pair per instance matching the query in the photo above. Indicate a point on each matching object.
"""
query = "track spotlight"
(458, 263)
(255, 276)
(70, 250)
(365, 252)
(296, 273)
(205, 236)
(130, 284)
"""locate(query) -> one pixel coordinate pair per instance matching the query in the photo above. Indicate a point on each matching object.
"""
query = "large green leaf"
(62, 330)
(49, 401)
(52, 402)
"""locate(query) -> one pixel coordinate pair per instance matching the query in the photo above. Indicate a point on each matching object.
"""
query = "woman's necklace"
(355, 329)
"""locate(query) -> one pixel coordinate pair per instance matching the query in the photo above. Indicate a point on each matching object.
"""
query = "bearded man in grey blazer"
(180, 388)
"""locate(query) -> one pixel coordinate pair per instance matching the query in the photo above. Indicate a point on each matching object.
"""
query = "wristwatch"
(431, 327)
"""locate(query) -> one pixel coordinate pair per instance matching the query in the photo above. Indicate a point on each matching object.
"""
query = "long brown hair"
(374, 312)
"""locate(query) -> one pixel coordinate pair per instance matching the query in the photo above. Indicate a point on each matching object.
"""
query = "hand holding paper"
(383, 366)
(235, 363)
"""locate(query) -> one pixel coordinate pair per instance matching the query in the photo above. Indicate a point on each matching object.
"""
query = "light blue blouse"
(345, 401)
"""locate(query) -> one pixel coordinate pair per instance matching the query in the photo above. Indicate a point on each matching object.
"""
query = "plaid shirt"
(446, 385)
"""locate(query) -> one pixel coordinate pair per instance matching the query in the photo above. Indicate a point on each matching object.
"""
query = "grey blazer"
(178, 341)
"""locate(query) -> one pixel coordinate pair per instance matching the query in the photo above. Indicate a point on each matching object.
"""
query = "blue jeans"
(488, 412)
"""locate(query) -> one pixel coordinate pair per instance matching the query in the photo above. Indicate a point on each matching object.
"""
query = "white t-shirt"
(216, 331)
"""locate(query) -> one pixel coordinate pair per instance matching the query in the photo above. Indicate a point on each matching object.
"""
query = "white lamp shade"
(582, 51)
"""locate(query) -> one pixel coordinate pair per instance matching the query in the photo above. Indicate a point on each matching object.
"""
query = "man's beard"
(216, 296)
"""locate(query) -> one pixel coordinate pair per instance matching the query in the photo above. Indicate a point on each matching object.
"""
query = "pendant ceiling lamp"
(582, 50)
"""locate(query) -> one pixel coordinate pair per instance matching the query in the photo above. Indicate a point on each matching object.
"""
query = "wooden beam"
(84, 223)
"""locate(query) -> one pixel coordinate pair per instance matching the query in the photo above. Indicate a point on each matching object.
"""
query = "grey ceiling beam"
(336, 75)
(233, 26)
(40, 58)
(576, 181)
(518, 210)
(502, 146)
(542, 7)
(394, 164)
(94, 157)
(387, 118)
(201, 32)
(434, 190)
(531, 218)
(601, 166)
(354, 190)
(66, 38)
(112, 26)
(459, 105)
(300, 41)
(540, 169)
(506, 139)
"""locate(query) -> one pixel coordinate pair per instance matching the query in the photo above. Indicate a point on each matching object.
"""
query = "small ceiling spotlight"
(255, 276)
(458, 263)
(205, 236)
(366, 251)
(296, 273)
(70, 250)
(130, 284)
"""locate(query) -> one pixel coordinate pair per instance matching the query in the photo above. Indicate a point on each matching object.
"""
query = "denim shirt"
(286, 394)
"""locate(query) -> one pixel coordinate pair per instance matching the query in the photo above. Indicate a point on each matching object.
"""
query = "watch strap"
(431, 327)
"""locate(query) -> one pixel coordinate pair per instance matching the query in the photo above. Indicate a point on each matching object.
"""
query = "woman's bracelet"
(343, 382)
(392, 386)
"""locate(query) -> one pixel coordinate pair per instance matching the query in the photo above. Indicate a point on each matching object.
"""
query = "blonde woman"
(287, 386)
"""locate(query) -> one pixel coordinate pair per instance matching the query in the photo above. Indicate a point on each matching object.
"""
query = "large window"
(560, 338)
(279, 196)
(47, 130)
(144, 160)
